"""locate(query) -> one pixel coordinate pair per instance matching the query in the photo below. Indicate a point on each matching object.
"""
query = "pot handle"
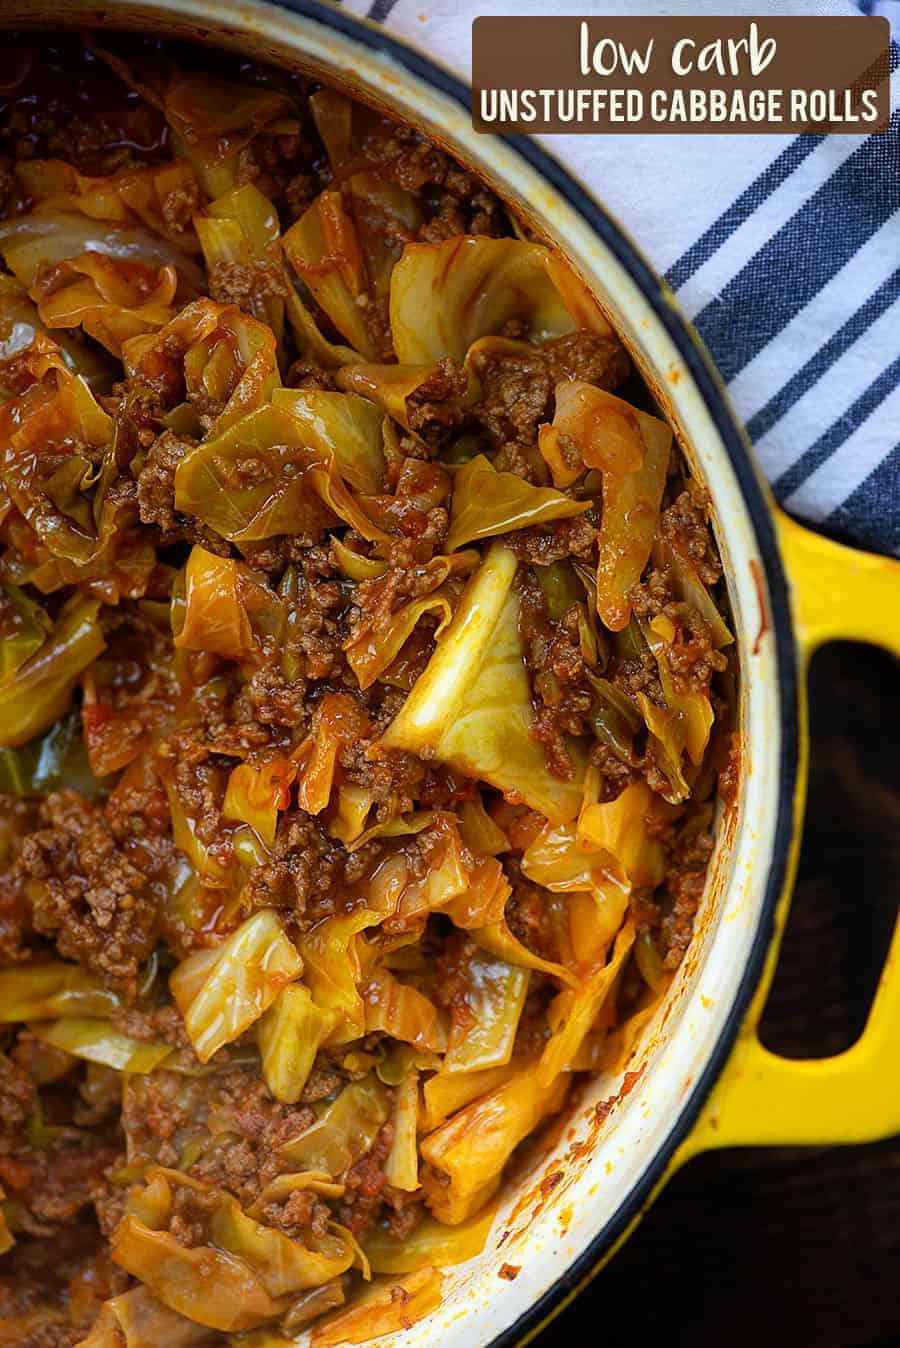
(763, 1099)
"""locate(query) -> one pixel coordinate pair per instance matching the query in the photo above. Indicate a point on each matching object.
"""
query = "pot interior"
(567, 1207)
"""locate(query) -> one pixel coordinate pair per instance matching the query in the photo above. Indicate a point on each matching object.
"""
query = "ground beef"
(305, 869)
(151, 1025)
(561, 692)
(55, 1183)
(516, 394)
(300, 1216)
(249, 1128)
(691, 656)
(517, 385)
(615, 774)
(96, 897)
(17, 1092)
(456, 201)
(246, 284)
(685, 524)
(364, 1182)
(685, 881)
(156, 497)
(306, 373)
(322, 1081)
(436, 407)
(554, 542)
(51, 1289)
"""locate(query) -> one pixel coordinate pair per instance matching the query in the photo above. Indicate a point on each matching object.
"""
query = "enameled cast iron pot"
(700, 1078)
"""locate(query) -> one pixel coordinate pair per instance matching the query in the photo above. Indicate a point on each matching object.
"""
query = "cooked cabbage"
(444, 296)
(471, 1149)
(472, 706)
(239, 981)
(486, 503)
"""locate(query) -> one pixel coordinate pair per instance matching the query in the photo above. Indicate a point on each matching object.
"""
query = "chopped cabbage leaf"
(623, 829)
(208, 1286)
(594, 919)
(113, 299)
(24, 626)
(471, 707)
(249, 970)
(381, 1310)
(324, 250)
(218, 356)
(38, 692)
(498, 940)
(692, 709)
(138, 1320)
(487, 502)
(479, 831)
(495, 995)
(483, 902)
(289, 1035)
(134, 196)
(45, 991)
(301, 489)
(432, 1243)
(212, 484)
(345, 1130)
(332, 970)
(575, 1010)
(99, 1041)
(631, 450)
(343, 425)
(578, 299)
(215, 617)
(390, 386)
(688, 588)
(354, 565)
(255, 794)
(400, 1010)
(373, 648)
(666, 741)
(20, 330)
(28, 242)
(240, 229)
(283, 1266)
(471, 1149)
(337, 720)
(444, 296)
(445, 1092)
(401, 1168)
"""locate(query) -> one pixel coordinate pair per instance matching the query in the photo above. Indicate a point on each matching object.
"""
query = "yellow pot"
(700, 1078)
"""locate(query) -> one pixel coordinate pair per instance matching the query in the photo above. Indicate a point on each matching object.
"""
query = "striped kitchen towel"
(785, 252)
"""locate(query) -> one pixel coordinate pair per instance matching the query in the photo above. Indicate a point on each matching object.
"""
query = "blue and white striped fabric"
(785, 252)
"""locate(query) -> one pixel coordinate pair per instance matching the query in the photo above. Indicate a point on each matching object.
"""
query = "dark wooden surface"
(789, 1247)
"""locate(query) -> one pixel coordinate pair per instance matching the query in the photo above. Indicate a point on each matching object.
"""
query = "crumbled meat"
(156, 496)
(364, 1182)
(246, 284)
(517, 382)
(685, 881)
(436, 407)
(95, 896)
(302, 876)
(685, 523)
(554, 542)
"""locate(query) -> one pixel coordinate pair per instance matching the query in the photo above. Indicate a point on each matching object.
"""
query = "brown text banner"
(676, 75)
